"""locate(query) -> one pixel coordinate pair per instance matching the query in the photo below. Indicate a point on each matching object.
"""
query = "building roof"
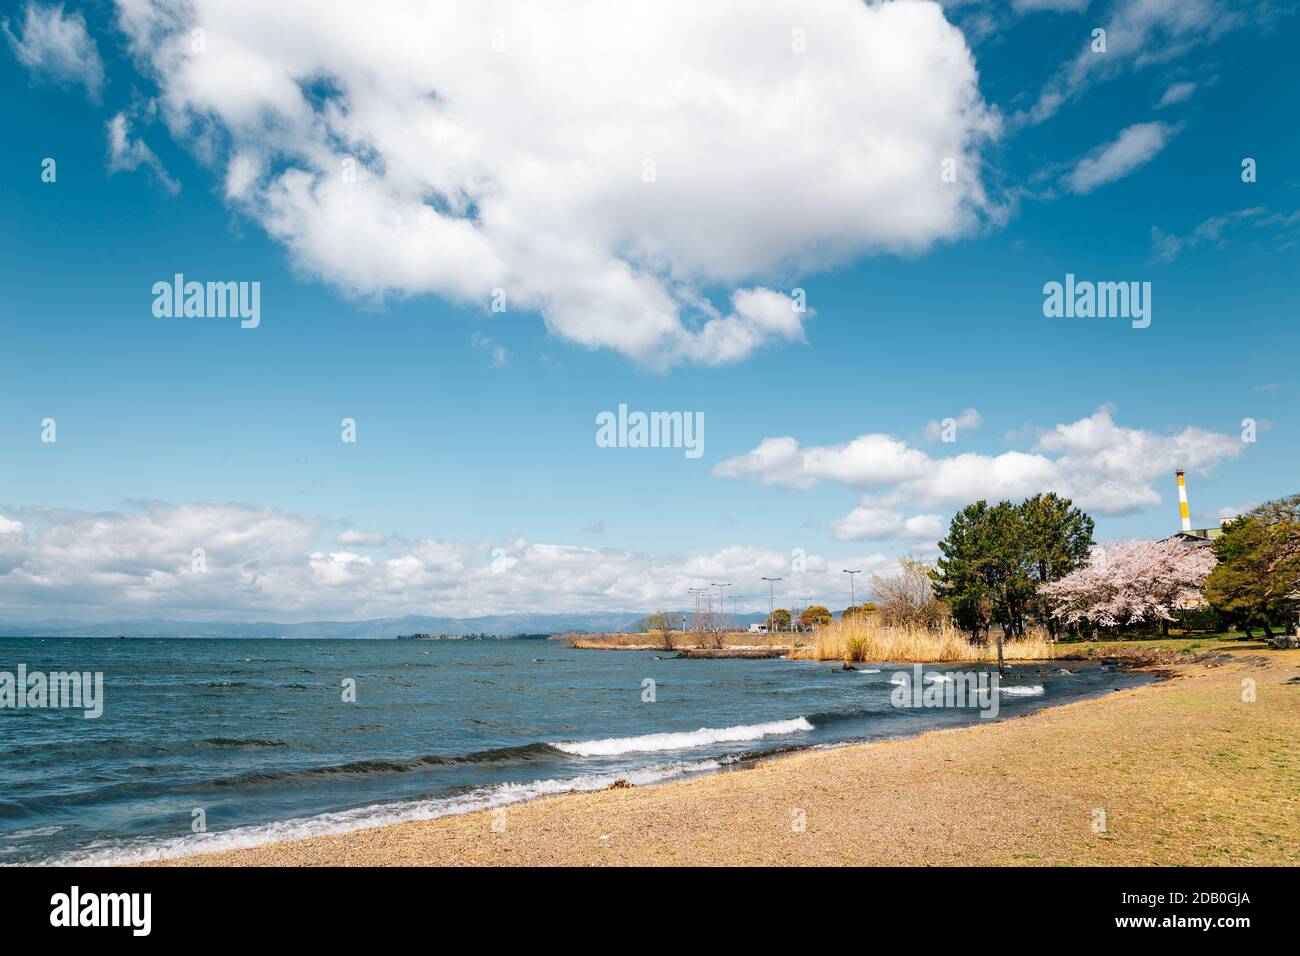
(1197, 536)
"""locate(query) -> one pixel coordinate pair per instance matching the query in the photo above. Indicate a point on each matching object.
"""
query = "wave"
(502, 755)
(1033, 691)
(31, 832)
(377, 815)
(243, 742)
(683, 740)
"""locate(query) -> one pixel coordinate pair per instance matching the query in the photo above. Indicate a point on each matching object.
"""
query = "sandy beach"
(1181, 772)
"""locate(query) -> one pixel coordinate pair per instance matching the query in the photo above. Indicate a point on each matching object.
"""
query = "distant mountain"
(377, 628)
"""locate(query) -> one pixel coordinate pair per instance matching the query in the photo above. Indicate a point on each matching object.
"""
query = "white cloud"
(870, 460)
(1176, 93)
(125, 153)
(882, 524)
(263, 564)
(1033, 6)
(9, 526)
(1228, 512)
(1166, 246)
(1133, 147)
(968, 420)
(506, 145)
(1139, 33)
(499, 354)
(1104, 467)
(55, 46)
(352, 536)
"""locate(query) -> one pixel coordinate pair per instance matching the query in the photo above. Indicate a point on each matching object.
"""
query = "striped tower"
(1182, 502)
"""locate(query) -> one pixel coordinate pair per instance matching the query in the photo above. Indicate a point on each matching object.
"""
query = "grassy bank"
(1183, 772)
(864, 639)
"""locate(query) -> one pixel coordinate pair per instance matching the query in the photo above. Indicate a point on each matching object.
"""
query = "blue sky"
(476, 485)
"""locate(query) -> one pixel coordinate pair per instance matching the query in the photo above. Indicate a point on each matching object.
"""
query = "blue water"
(256, 735)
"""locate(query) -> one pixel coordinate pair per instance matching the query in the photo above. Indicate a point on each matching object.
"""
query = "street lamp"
(721, 610)
(697, 592)
(852, 601)
(771, 586)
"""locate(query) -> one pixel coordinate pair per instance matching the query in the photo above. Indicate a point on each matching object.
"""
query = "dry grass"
(860, 639)
(654, 640)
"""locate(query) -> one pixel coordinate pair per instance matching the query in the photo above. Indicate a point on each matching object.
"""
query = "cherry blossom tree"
(1131, 582)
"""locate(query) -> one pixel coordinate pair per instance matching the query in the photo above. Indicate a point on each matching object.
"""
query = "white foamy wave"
(1033, 691)
(32, 832)
(684, 740)
(365, 818)
(871, 670)
(938, 678)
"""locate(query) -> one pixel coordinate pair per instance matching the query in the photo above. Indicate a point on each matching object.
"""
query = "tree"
(1259, 564)
(662, 623)
(1133, 582)
(1009, 568)
(815, 616)
(986, 571)
(854, 610)
(906, 597)
(1059, 538)
(958, 577)
(996, 558)
(779, 621)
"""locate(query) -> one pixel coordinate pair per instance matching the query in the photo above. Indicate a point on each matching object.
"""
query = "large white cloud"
(1104, 467)
(458, 147)
(256, 563)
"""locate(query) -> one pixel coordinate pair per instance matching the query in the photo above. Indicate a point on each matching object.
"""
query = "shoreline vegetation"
(1018, 582)
(868, 641)
(1187, 771)
(859, 638)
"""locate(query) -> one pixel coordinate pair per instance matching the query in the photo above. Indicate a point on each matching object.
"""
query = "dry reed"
(867, 640)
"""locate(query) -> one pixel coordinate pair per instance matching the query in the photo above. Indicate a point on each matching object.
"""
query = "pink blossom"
(1130, 582)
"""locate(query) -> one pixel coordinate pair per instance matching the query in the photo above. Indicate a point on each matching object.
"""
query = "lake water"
(254, 738)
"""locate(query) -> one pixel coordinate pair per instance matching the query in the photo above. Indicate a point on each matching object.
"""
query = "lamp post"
(852, 601)
(735, 610)
(771, 591)
(697, 592)
(721, 610)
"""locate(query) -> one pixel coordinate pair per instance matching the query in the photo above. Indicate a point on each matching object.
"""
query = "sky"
(826, 230)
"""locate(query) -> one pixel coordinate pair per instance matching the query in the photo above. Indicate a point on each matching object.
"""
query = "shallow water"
(255, 733)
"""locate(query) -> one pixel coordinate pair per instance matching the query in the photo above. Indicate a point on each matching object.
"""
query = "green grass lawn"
(1177, 642)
